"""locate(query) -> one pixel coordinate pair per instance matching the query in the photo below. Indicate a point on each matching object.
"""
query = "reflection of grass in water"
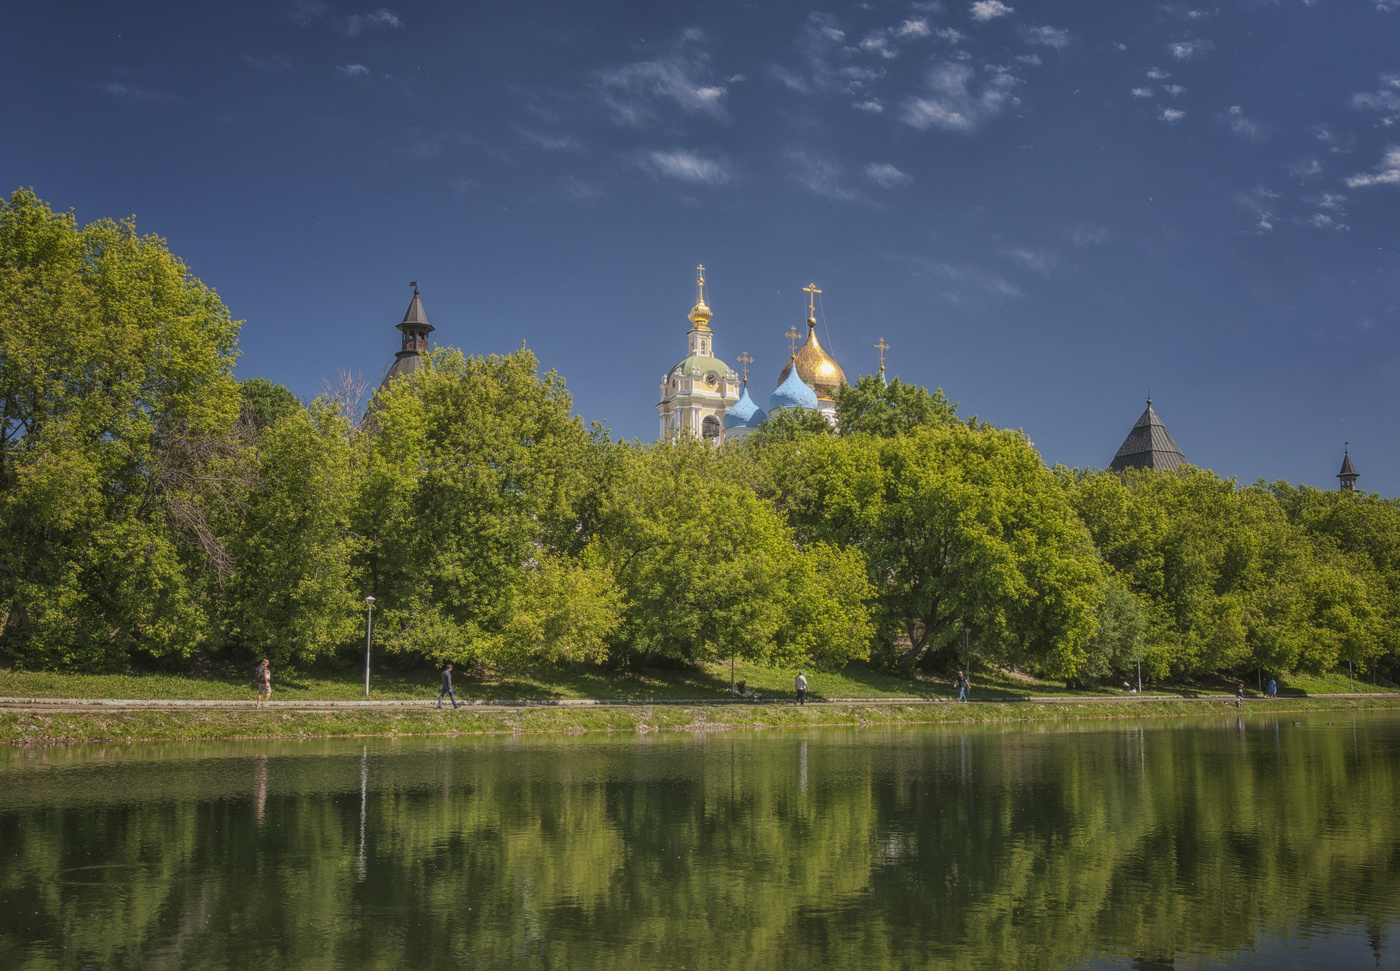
(581, 681)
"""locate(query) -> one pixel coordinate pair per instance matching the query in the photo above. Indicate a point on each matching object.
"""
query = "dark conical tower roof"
(1148, 446)
(1348, 475)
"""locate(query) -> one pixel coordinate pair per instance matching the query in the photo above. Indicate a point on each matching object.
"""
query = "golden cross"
(745, 361)
(883, 347)
(700, 281)
(791, 335)
(812, 291)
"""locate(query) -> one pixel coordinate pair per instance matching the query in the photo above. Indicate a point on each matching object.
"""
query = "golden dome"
(700, 314)
(817, 369)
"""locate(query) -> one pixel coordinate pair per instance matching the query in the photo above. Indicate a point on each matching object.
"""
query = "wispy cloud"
(1385, 100)
(1142, 92)
(1172, 115)
(955, 99)
(821, 176)
(139, 95)
(550, 142)
(353, 70)
(634, 92)
(686, 166)
(886, 176)
(305, 11)
(1037, 260)
(961, 283)
(1243, 126)
(355, 24)
(1260, 202)
(913, 28)
(871, 106)
(984, 10)
(1056, 37)
(1157, 74)
(1385, 173)
(1082, 235)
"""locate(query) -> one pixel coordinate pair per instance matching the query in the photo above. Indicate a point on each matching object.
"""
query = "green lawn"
(562, 683)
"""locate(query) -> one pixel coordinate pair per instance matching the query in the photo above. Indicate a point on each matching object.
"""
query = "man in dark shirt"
(447, 687)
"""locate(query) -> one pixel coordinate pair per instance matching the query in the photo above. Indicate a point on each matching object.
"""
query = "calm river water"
(1211, 842)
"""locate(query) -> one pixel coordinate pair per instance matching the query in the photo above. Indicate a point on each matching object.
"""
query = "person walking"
(263, 680)
(1273, 688)
(1239, 697)
(801, 688)
(447, 687)
(963, 685)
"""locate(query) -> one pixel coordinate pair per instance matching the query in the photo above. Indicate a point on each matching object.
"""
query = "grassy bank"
(65, 727)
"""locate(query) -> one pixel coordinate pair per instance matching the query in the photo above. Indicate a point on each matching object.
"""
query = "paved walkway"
(171, 704)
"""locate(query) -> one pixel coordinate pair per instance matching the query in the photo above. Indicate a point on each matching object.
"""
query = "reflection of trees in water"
(1036, 847)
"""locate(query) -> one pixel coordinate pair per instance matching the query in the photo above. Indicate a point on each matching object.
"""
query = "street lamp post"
(369, 627)
(1139, 662)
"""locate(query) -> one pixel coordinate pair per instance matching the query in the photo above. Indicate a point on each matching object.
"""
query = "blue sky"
(1045, 209)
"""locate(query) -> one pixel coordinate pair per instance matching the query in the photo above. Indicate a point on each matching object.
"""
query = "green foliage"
(116, 447)
(265, 401)
(789, 424)
(872, 407)
(475, 461)
(959, 527)
(294, 593)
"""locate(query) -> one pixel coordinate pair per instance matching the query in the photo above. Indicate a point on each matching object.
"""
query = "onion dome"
(700, 313)
(818, 370)
(793, 392)
(745, 414)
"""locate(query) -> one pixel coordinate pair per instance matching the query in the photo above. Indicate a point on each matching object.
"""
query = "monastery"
(704, 397)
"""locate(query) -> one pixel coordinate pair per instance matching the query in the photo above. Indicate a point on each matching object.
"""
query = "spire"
(700, 314)
(415, 326)
(882, 347)
(1348, 475)
(1148, 446)
(744, 361)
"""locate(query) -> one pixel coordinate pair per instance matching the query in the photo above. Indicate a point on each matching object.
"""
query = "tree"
(265, 401)
(117, 444)
(295, 591)
(872, 407)
(476, 463)
(959, 527)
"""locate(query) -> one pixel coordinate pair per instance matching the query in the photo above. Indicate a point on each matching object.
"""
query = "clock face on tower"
(711, 379)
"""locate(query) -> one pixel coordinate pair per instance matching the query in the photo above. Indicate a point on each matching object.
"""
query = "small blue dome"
(745, 414)
(792, 393)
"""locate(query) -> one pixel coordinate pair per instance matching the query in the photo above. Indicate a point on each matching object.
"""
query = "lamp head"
(369, 601)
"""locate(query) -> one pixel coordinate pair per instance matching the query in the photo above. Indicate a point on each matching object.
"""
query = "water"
(1224, 842)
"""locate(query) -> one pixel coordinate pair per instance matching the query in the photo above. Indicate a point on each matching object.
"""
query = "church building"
(1148, 446)
(696, 393)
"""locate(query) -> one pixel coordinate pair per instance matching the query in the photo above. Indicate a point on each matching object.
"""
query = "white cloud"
(1172, 115)
(631, 92)
(688, 167)
(1386, 173)
(951, 34)
(879, 43)
(984, 10)
(1187, 49)
(1089, 235)
(1306, 168)
(913, 28)
(1056, 37)
(131, 92)
(873, 106)
(1243, 126)
(1173, 89)
(1142, 92)
(381, 18)
(1032, 59)
(353, 70)
(1157, 74)
(1322, 221)
(821, 176)
(1385, 100)
(552, 143)
(955, 101)
(305, 11)
(1259, 201)
(1036, 260)
(1332, 201)
(886, 176)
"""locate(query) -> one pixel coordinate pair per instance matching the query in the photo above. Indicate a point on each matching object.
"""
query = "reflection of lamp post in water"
(369, 627)
(1139, 662)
